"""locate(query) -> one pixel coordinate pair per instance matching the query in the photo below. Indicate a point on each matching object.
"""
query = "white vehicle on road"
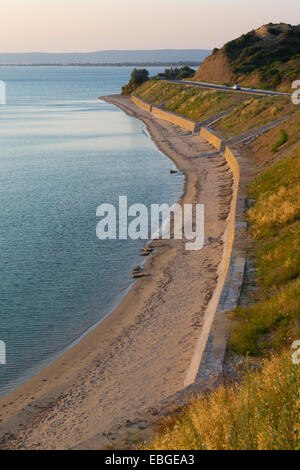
(236, 87)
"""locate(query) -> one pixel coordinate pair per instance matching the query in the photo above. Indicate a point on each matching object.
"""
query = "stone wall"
(166, 115)
(174, 118)
(211, 138)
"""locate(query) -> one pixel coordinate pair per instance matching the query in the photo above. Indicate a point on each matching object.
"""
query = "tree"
(137, 78)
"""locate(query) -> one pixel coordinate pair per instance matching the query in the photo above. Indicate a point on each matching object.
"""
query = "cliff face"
(268, 57)
(216, 68)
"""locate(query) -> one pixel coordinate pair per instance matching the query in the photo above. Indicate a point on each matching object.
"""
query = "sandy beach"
(140, 353)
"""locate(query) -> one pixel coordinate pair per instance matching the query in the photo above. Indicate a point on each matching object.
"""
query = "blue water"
(62, 153)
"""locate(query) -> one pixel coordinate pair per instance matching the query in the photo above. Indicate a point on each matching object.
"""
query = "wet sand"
(140, 353)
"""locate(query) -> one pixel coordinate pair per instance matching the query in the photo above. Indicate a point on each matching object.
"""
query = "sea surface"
(62, 154)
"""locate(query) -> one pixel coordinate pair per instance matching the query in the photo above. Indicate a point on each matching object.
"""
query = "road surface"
(252, 91)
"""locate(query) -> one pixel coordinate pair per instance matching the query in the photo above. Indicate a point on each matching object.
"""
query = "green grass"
(282, 139)
(274, 320)
(269, 323)
(278, 259)
(269, 60)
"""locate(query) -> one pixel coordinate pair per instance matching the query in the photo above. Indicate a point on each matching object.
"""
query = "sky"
(91, 25)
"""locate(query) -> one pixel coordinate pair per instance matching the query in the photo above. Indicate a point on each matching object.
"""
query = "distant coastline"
(109, 64)
(108, 58)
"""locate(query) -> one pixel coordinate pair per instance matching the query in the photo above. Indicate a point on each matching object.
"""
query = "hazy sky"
(90, 25)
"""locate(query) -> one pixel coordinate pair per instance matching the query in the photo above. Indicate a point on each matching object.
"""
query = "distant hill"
(268, 57)
(111, 57)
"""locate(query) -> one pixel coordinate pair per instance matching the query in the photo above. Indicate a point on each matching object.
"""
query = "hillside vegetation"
(273, 320)
(268, 57)
(255, 112)
(138, 76)
(192, 102)
(263, 411)
(260, 414)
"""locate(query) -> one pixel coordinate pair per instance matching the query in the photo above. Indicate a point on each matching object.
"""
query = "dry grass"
(255, 112)
(273, 320)
(262, 413)
(192, 102)
(275, 210)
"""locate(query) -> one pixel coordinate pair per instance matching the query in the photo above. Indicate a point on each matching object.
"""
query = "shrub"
(138, 77)
(283, 138)
(274, 31)
(178, 73)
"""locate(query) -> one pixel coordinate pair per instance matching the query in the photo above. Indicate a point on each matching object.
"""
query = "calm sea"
(62, 153)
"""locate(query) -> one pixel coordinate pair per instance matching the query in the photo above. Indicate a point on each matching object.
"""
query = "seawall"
(211, 138)
(174, 119)
(206, 364)
(180, 121)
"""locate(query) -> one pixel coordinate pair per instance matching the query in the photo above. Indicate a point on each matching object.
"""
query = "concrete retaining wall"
(174, 118)
(206, 363)
(141, 103)
(211, 138)
(234, 166)
(166, 115)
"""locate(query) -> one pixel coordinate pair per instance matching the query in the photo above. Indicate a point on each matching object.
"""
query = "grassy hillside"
(263, 411)
(260, 414)
(273, 320)
(192, 102)
(255, 112)
(268, 57)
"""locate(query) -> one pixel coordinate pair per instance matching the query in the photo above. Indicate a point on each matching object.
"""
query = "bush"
(274, 31)
(138, 77)
(177, 73)
(283, 138)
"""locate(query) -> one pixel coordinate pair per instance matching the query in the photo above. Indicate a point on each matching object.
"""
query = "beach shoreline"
(138, 355)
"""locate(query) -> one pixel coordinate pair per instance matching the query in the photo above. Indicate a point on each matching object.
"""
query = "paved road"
(252, 91)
